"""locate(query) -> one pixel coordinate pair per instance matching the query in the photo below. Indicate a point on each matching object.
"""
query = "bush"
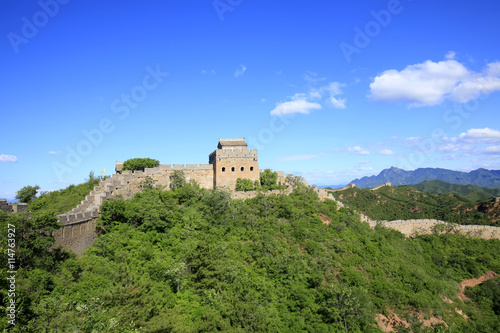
(27, 193)
(244, 184)
(140, 164)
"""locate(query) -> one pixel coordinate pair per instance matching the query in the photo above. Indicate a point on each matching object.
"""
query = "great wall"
(232, 160)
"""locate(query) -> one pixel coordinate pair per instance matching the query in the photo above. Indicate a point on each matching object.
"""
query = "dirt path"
(474, 282)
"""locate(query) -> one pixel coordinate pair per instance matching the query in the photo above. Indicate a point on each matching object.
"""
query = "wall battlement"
(15, 207)
(235, 153)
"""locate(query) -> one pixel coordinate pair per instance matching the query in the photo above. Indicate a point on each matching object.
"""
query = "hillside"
(396, 176)
(470, 192)
(193, 260)
(62, 201)
(406, 202)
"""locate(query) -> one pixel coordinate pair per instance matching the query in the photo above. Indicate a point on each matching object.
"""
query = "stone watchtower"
(233, 160)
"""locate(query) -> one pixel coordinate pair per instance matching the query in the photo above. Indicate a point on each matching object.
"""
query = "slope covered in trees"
(405, 202)
(62, 201)
(469, 192)
(193, 260)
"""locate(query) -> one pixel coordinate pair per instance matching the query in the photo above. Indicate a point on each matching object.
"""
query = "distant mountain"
(396, 176)
(471, 192)
(333, 187)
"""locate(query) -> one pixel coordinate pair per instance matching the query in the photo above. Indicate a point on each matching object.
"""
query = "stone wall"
(231, 164)
(380, 186)
(15, 207)
(427, 226)
(77, 236)
(322, 194)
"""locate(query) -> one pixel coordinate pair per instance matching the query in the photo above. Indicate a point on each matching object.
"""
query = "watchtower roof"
(232, 143)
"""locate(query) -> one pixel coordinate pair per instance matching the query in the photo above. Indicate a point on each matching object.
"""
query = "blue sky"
(330, 90)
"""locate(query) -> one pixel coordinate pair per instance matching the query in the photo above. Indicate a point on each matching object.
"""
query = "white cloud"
(8, 158)
(240, 71)
(313, 77)
(333, 89)
(295, 158)
(263, 100)
(450, 55)
(430, 83)
(358, 150)
(480, 135)
(298, 104)
(52, 152)
(303, 103)
(414, 138)
(494, 150)
(387, 152)
(365, 168)
(204, 71)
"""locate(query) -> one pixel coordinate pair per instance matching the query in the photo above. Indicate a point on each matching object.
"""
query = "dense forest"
(469, 192)
(406, 202)
(194, 260)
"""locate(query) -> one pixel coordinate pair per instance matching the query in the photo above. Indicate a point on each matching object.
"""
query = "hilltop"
(470, 192)
(396, 176)
(406, 202)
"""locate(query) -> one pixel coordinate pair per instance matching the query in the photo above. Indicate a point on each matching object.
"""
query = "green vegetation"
(27, 193)
(62, 201)
(268, 182)
(177, 179)
(486, 296)
(193, 260)
(406, 202)
(245, 184)
(469, 192)
(140, 164)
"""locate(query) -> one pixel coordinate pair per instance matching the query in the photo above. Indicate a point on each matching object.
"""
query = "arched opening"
(251, 168)
(242, 168)
(232, 169)
(223, 169)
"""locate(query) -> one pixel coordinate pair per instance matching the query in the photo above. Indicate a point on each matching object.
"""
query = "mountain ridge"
(396, 176)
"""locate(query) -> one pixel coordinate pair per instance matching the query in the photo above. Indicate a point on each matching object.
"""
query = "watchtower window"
(232, 169)
(251, 168)
(242, 168)
(223, 169)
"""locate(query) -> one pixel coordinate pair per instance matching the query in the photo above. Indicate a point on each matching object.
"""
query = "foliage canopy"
(140, 164)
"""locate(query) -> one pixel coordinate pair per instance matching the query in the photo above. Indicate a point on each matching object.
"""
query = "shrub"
(140, 164)
(244, 184)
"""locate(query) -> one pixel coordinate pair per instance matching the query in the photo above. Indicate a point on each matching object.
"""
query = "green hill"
(406, 202)
(193, 260)
(62, 201)
(470, 192)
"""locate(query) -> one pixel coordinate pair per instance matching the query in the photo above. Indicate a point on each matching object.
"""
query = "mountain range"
(396, 176)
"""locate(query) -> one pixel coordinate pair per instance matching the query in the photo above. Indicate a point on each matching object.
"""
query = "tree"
(140, 164)
(177, 179)
(269, 179)
(244, 184)
(27, 193)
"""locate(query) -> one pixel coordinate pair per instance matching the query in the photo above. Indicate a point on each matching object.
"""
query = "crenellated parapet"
(15, 207)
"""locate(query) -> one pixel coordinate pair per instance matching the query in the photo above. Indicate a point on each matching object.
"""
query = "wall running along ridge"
(428, 226)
